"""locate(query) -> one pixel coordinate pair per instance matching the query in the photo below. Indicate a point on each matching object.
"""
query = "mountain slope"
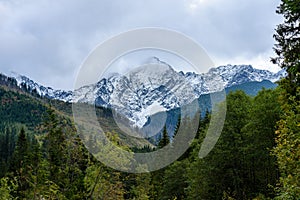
(153, 88)
(18, 107)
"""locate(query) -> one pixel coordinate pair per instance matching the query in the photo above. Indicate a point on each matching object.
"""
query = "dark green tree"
(165, 140)
(140, 190)
(259, 133)
(287, 47)
(66, 157)
(55, 144)
(177, 125)
(287, 135)
(20, 163)
(174, 181)
(224, 171)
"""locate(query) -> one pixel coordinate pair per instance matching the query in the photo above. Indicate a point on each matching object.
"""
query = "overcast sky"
(47, 40)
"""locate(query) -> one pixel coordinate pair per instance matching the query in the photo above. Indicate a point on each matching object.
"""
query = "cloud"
(48, 40)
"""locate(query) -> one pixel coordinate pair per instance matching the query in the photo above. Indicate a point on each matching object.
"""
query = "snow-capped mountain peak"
(152, 87)
(48, 92)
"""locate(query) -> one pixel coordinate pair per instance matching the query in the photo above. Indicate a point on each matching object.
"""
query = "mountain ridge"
(156, 86)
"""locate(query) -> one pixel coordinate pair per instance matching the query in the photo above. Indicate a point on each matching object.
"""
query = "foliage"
(102, 183)
(165, 140)
(287, 47)
(6, 188)
(56, 165)
(287, 149)
(239, 166)
(142, 188)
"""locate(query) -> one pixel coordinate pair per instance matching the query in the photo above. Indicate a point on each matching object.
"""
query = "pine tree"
(66, 157)
(7, 146)
(260, 139)
(223, 170)
(103, 183)
(288, 133)
(20, 162)
(288, 46)
(177, 126)
(140, 190)
(165, 140)
(174, 180)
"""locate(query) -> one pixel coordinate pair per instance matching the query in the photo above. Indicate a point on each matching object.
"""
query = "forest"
(256, 157)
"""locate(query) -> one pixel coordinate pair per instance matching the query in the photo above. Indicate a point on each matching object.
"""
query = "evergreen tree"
(140, 190)
(66, 157)
(198, 173)
(7, 146)
(288, 46)
(103, 183)
(20, 163)
(174, 181)
(7, 187)
(157, 176)
(224, 171)
(177, 126)
(260, 139)
(165, 140)
(287, 149)
(288, 133)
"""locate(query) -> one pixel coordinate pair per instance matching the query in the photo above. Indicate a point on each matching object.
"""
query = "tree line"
(242, 165)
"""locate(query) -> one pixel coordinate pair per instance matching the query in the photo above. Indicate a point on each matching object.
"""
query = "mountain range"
(152, 88)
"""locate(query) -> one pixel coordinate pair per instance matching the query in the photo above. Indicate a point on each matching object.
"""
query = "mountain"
(19, 109)
(231, 75)
(252, 88)
(204, 102)
(152, 88)
(29, 85)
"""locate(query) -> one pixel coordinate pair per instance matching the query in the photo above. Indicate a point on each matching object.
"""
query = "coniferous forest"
(256, 157)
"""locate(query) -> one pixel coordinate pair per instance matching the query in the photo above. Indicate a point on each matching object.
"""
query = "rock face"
(152, 88)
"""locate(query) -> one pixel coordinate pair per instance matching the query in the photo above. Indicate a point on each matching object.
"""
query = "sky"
(48, 40)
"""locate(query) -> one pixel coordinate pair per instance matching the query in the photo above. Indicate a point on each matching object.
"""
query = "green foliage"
(6, 188)
(288, 46)
(8, 133)
(239, 166)
(165, 140)
(102, 183)
(259, 131)
(66, 157)
(20, 163)
(20, 108)
(142, 187)
(287, 149)
(175, 181)
(177, 125)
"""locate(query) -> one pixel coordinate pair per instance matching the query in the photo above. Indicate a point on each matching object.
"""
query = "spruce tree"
(223, 170)
(287, 148)
(177, 126)
(287, 47)
(20, 163)
(165, 140)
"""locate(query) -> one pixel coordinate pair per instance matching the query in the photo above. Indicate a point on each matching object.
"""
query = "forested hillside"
(50, 161)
